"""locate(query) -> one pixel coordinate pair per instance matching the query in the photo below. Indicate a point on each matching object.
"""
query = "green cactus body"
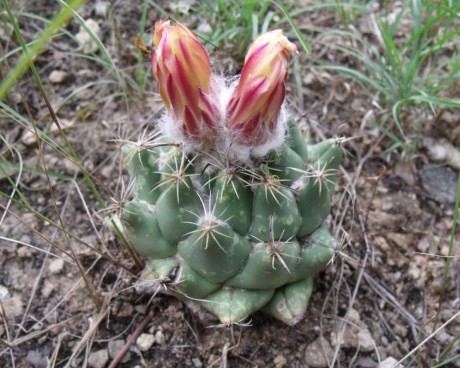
(290, 301)
(176, 208)
(233, 202)
(234, 236)
(191, 284)
(141, 224)
(143, 168)
(317, 251)
(316, 197)
(160, 269)
(232, 305)
(327, 154)
(269, 266)
(287, 165)
(215, 251)
(275, 214)
(296, 140)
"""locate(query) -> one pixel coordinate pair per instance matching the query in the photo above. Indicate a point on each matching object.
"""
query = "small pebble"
(29, 138)
(114, 347)
(159, 337)
(101, 7)
(36, 360)
(3, 292)
(353, 316)
(280, 361)
(57, 76)
(197, 362)
(56, 265)
(63, 124)
(16, 97)
(145, 341)
(444, 251)
(366, 342)
(318, 353)
(98, 359)
(125, 310)
(389, 362)
(47, 288)
(13, 306)
(89, 46)
(423, 245)
(365, 362)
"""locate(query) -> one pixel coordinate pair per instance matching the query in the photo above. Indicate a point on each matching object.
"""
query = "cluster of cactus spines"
(228, 214)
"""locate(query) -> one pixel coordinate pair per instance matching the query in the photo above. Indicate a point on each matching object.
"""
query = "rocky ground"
(383, 295)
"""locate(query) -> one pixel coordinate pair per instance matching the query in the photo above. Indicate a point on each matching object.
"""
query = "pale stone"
(115, 346)
(101, 8)
(390, 362)
(89, 46)
(98, 359)
(47, 288)
(366, 342)
(159, 337)
(29, 138)
(318, 353)
(13, 306)
(280, 361)
(145, 341)
(197, 362)
(57, 76)
(63, 124)
(3, 292)
(56, 265)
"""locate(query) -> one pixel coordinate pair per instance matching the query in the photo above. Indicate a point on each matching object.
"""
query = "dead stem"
(131, 340)
(94, 325)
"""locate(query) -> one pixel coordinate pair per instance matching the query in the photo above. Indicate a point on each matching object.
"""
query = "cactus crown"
(236, 119)
(229, 200)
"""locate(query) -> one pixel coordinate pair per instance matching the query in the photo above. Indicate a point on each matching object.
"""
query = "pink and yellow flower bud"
(182, 69)
(255, 105)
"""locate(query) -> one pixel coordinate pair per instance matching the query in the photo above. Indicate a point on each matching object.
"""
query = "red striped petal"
(191, 125)
(250, 97)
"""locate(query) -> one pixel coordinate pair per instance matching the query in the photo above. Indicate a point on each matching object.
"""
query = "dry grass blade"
(131, 340)
(388, 296)
(428, 338)
(89, 334)
(34, 335)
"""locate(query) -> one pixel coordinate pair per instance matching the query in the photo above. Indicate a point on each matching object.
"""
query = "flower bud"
(255, 104)
(182, 69)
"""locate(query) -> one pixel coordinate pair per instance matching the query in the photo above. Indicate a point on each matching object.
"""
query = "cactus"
(229, 201)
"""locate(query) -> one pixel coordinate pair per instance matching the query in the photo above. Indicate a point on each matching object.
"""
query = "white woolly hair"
(222, 90)
(171, 128)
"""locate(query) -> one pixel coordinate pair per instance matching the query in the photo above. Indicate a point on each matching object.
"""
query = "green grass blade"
(355, 74)
(436, 101)
(266, 22)
(255, 26)
(453, 359)
(63, 17)
(395, 110)
(398, 142)
(295, 28)
(8, 166)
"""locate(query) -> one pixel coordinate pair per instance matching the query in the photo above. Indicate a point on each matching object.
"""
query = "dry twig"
(131, 340)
